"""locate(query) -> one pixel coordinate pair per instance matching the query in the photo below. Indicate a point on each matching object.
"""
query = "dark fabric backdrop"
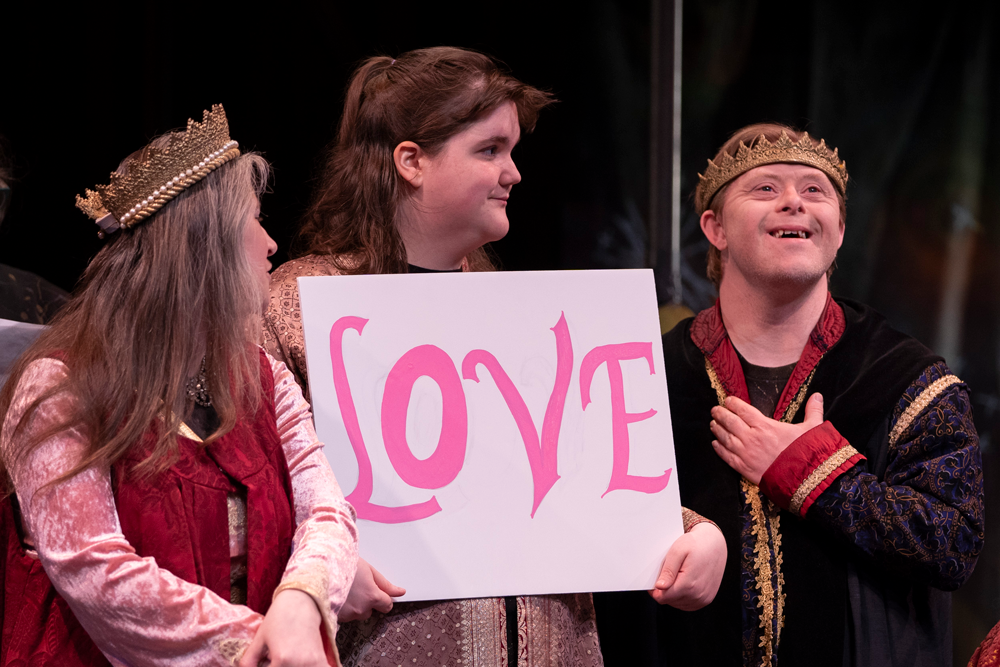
(909, 97)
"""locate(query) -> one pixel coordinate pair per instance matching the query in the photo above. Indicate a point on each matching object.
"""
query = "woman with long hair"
(417, 181)
(167, 500)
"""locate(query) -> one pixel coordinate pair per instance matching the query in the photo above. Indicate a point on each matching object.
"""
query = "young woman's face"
(465, 186)
(259, 246)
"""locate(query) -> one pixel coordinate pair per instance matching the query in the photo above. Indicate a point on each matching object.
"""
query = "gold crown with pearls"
(164, 173)
(784, 150)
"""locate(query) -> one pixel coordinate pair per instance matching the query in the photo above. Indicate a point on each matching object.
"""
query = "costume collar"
(708, 333)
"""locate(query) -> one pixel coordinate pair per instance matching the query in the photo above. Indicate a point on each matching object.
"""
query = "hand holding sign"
(448, 407)
(692, 569)
(370, 591)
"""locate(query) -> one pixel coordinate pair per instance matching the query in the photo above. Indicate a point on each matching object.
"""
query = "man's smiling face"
(779, 224)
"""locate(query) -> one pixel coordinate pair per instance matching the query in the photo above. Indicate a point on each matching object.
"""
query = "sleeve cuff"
(692, 519)
(807, 468)
(232, 649)
(314, 589)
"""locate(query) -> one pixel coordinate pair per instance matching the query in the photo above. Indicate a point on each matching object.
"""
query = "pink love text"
(445, 464)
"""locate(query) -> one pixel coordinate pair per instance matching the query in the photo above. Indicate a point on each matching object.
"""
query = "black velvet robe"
(862, 377)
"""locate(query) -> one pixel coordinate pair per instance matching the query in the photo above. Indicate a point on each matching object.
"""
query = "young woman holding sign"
(418, 181)
(166, 499)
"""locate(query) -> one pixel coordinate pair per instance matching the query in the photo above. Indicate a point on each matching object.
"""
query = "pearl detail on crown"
(177, 179)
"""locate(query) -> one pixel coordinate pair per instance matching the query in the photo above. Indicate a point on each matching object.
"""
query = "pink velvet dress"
(134, 609)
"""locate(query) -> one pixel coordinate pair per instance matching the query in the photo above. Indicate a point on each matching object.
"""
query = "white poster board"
(498, 433)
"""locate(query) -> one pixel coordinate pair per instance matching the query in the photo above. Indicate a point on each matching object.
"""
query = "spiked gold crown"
(164, 173)
(764, 152)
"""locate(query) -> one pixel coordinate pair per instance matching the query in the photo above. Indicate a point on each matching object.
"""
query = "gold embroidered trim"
(232, 650)
(315, 585)
(720, 391)
(793, 407)
(762, 563)
(465, 637)
(779, 560)
(521, 605)
(692, 519)
(771, 602)
(488, 633)
(310, 588)
(236, 506)
(925, 398)
(821, 472)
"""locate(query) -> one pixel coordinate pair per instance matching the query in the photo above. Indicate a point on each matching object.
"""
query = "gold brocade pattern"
(488, 625)
(411, 630)
(553, 631)
(525, 652)
(766, 529)
(818, 475)
(232, 650)
(316, 585)
(284, 337)
(921, 402)
(236, 505)
(720, 391)
(762, 563)
(794, 406)
(690, 518)
(779, 559)
(557, 631)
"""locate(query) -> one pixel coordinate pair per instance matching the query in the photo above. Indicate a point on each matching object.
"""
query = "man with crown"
(837, 455)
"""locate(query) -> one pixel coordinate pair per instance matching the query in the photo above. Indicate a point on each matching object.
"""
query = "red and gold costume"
(988, 653)
(142, 569)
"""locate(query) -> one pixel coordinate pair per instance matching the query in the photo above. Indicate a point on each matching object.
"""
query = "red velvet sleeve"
(136, 612)
(807, 468)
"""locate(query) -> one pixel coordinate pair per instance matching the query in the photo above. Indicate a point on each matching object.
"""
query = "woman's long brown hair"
(424, 96)
(144, 306)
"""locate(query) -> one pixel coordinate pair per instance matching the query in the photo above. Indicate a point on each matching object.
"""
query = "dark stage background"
(911, 100)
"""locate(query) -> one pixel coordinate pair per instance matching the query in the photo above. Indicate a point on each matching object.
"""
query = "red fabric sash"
(180, 518)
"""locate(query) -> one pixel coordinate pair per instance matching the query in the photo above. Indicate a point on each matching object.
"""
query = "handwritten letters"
(372, 348)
